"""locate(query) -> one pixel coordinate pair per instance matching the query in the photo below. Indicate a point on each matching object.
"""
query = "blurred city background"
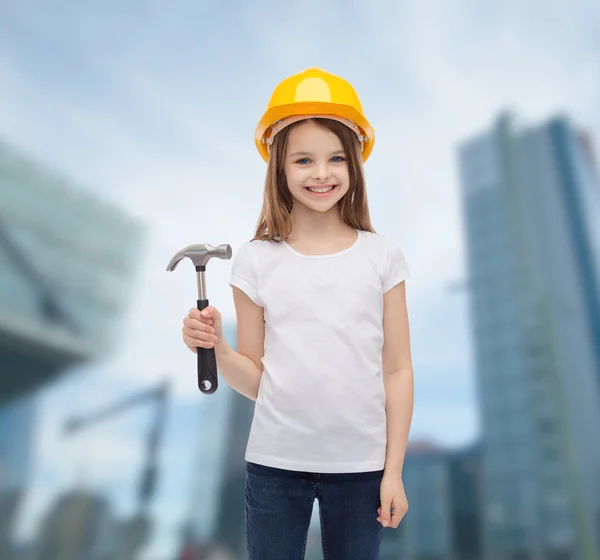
(126, 134)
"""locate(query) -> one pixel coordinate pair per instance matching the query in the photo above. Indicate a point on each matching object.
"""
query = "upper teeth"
(319, 190)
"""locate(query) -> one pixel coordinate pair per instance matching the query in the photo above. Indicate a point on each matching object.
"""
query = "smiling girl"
(323, 335)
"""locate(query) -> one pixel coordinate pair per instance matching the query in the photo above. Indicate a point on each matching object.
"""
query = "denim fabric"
(279, 505)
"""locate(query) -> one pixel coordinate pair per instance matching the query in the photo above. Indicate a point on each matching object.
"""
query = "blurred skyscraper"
(217, 505)
(79, 526)
(465, 501)
(16, 446)
(67, 266)
(443, 521)
(531, 201)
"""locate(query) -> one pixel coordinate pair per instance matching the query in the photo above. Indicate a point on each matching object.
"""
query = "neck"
(308, 224)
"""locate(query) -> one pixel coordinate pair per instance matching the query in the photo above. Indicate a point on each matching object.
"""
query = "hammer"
(200, 254)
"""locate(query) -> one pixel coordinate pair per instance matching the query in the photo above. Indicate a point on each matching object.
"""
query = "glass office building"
(68, 263)
(443, 518)
(531, 204)
(67, 266)
(17, 422)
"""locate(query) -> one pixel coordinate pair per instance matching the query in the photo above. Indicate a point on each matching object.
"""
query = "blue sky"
(154, 107)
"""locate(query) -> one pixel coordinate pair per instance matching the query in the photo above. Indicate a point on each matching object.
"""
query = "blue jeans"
(279, 505)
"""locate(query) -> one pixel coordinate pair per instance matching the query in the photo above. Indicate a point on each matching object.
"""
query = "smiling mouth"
(321, 191)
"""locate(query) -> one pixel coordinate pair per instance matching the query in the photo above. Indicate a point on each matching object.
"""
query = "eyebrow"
(296, 154)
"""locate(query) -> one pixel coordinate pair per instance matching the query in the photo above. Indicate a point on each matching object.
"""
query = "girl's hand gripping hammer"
(200, 254)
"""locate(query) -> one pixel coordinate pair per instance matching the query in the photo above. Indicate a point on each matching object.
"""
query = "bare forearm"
(240, 372)
(399, 392)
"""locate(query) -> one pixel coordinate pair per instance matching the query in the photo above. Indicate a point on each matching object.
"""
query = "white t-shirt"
(321, 401)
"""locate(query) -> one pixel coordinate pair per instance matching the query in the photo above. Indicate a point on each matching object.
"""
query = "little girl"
(322, 335)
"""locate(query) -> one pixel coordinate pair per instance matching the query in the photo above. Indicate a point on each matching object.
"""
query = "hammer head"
(200, 254)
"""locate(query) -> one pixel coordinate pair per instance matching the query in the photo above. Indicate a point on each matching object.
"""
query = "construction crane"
(136, 530)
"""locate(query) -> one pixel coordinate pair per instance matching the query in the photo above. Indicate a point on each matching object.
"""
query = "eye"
(338, 158)
(301, 160)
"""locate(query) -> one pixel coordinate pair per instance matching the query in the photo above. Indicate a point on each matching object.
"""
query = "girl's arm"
(243, 369)
(397, 376)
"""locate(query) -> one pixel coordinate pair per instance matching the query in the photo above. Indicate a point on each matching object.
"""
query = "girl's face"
(315, 159)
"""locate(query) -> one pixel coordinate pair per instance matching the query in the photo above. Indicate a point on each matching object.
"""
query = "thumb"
(211, 312)
(385, 513)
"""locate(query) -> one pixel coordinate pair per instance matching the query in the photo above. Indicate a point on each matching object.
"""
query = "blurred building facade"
(531, 203)
(426, 530)
(443, 489)
(79, 525)
(466, 498)
(443, 493)
(17, 428)
(68, 263)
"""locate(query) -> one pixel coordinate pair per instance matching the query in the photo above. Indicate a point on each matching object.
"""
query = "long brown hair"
(274, 220)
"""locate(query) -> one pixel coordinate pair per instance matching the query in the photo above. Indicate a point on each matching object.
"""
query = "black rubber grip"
(207, 364)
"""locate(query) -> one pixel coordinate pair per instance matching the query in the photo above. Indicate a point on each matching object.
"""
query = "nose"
(321, 171)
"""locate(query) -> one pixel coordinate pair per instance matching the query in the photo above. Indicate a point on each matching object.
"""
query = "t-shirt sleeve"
(396, 267)
(243, 273)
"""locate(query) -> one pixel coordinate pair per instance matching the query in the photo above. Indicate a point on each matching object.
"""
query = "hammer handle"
(207, 363)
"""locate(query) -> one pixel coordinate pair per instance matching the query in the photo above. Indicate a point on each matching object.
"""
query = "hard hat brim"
(308, 108)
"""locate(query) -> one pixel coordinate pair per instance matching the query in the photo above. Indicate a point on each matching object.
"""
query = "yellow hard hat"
(313, 93)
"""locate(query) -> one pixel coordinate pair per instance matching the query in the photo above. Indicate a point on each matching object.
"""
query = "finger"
(198, 342)
(197, 325)
(385, 513)
(200, 316)
(399, 513)
(207, 320)
(200, 336)
(200, 326)
(189, 320)
(207, 311)
(194, 313)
